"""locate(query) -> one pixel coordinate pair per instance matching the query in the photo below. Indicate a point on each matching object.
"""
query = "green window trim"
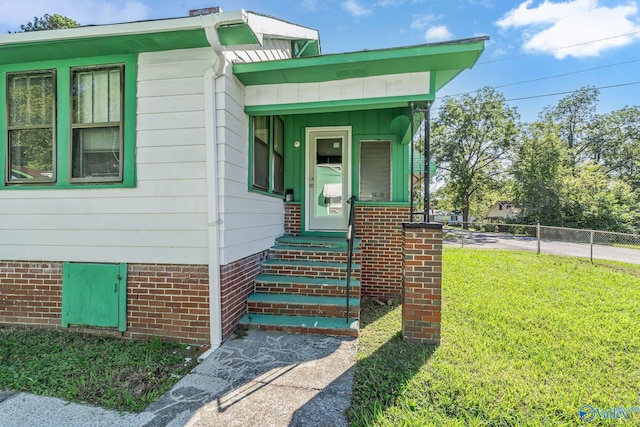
(271, 181)
(63, 127)
(399, 168)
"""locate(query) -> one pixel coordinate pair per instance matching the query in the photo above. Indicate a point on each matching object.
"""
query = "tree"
(49, 22)
(471, 138)
(573, 115)
(617, 136)
(539, 172)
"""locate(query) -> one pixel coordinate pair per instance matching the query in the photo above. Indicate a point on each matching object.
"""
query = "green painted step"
(302, 299)
(329, 241)
(304, 280)
(301, 321)
(312, 249)
(319, 264)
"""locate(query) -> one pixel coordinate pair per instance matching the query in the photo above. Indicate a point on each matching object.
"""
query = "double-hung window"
(268, 154)
(69, 125)
(31, 126)
(96, 147)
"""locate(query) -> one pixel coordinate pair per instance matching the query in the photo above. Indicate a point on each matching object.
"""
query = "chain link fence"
(592, 244)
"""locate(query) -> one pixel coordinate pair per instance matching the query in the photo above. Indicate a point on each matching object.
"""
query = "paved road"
(506, 241)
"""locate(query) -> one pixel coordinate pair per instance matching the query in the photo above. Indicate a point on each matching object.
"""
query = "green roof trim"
(39, 51)
(336, 106)
(449, 58)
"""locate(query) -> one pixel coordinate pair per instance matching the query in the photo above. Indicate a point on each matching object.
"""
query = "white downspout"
(210, 110)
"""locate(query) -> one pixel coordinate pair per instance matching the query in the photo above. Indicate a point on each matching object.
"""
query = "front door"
(328, 179)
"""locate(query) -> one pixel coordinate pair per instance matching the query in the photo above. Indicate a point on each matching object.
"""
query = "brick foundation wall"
(166, 301)
(30, 293)
(292, 217)
(422, 283)
(169, 301)
(380, 229)
(236, 284)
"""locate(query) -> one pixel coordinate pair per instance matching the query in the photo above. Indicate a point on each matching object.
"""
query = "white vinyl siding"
(250, 222)
(164, 218)
(340, 90)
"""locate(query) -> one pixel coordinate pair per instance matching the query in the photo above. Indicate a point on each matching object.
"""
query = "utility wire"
(551, 77)
(560, 48)
(557, 93)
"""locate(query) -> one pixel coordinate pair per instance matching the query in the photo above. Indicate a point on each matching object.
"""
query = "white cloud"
(355, 8)
(422, 21)
(568, 28)
(18, 12)
(438, 33)
(385, 3)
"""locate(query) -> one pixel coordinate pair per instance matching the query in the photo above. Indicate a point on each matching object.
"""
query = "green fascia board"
(457, 55)
(336, 106)
(101, 46)
(236, 34)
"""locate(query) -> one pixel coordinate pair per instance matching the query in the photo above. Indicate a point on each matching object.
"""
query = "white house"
(145, 167)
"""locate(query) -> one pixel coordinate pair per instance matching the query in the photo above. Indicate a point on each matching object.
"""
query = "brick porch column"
(421, 282)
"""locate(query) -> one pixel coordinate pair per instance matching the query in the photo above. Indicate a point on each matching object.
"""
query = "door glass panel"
(328, 174)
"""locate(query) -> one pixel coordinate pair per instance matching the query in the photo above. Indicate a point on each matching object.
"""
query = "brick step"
(312, 253)
(339, 241)
(301, 324)
(301, 285)
(303, 305)
(285, 267)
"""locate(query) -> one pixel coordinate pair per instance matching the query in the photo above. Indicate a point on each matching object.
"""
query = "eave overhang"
(448, 59)
(233, 28)
(385, 78)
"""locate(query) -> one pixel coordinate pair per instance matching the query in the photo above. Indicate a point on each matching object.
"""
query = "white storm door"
(328, 178)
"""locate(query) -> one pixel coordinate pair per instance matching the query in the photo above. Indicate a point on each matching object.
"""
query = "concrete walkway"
(263, 379)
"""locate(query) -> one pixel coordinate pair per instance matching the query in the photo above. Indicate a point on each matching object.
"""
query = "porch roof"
(424, 68)
(445, 59)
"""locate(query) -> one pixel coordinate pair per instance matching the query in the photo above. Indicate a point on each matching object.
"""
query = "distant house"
(502, 210)
(145, 167)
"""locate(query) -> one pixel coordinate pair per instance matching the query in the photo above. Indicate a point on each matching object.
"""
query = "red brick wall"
(380, 229)
(422, 283)
(169, 301)
(30, 293)
(292, 218)
(236, 284)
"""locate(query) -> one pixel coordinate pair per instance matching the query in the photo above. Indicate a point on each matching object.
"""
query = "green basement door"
(94, 295)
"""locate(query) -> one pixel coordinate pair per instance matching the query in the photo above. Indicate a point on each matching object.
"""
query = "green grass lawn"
(526, 340)
(105, 371)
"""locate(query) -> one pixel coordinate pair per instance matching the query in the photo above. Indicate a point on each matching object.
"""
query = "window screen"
(375, 171)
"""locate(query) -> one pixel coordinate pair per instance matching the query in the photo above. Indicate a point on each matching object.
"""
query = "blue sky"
(537, 47)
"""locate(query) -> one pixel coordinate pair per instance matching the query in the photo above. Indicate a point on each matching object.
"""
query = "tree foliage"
(49, 22)
(573, 116)
(539, 171)
(471, 138)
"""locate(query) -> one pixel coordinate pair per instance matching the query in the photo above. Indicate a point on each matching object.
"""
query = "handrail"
(351, 234)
